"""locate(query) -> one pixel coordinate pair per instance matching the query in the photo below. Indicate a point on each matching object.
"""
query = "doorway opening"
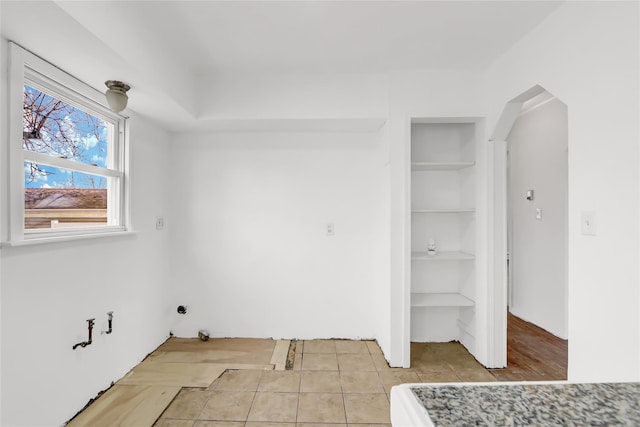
(529, 245)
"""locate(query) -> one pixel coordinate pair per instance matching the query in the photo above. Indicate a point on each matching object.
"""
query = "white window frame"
(27, 68)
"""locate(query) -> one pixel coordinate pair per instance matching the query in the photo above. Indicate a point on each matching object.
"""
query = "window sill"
(69, 238)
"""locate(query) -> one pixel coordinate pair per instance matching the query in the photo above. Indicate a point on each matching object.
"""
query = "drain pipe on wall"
(86, 343)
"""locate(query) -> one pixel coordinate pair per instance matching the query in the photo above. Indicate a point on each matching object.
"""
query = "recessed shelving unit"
(443, 199)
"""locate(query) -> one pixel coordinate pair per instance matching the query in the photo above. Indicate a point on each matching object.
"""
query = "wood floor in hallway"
(533, 354)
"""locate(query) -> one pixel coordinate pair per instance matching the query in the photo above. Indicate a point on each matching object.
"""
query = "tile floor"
(333, 383)
(242, 382)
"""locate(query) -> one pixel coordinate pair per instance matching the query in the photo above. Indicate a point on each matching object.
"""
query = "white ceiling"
(164, 48)
(335, 35)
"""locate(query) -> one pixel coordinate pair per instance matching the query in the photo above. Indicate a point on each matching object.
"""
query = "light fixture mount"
(116, 95)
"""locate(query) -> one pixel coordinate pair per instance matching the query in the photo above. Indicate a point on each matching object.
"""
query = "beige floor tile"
(320, 382)
(360, 382)
(319, 346)
(380, 362)
(263, 424)
(426, 356)
(297, 362)
(274, 407)
(349, 346)
(214, 383)
(430, 365)
(280, 381)
(299, 346)
(173, 423)
(218, 424)
(187, 405)
(398, 376)
(319, 362)
(127, 405)
(239, 381)
(416, 348)
(321, 408)
(388, 387)
(373, 347)
(449, 349)
(475, 375)
(367, 408)
(438, 377)
(227, 406)
(320, 425)
(356, 362)
(462, 362)
(392, 378)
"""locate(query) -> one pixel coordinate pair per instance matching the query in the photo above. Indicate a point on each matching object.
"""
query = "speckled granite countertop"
(607, 404)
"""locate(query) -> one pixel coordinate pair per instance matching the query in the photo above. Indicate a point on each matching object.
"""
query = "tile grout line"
(253, 400)
(206, 401)
(299, 392)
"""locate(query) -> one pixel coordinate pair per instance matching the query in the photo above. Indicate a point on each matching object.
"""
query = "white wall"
(383, 308)
(48, 291)
(293, 96)
(250, 256)
(538, 250)
(586, 54)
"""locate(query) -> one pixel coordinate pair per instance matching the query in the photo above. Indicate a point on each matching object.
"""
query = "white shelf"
(440, 166)
(440, 300)
(455, 210)
(442, 256)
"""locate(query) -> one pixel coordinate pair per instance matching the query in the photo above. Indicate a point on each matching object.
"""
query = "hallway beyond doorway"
(533, 354)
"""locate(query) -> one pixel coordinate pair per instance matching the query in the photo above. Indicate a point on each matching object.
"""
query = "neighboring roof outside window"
(64, 207)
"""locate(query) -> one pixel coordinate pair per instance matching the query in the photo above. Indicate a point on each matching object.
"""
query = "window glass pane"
(55, 198)
(53, 127)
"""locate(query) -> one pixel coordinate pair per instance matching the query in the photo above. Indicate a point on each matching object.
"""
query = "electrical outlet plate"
(159, 223)
(330, 229)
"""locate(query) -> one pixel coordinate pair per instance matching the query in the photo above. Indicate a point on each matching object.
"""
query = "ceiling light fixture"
(117, 95)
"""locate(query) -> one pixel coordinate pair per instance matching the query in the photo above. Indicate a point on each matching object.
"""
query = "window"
(67, 155)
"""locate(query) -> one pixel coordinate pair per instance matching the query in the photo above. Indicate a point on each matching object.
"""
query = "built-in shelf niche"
(443, 199)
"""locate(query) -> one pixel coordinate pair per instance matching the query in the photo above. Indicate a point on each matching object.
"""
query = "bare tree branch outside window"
(57, 129)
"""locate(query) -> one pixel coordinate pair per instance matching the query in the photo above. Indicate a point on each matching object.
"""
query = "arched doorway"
(528, 236)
